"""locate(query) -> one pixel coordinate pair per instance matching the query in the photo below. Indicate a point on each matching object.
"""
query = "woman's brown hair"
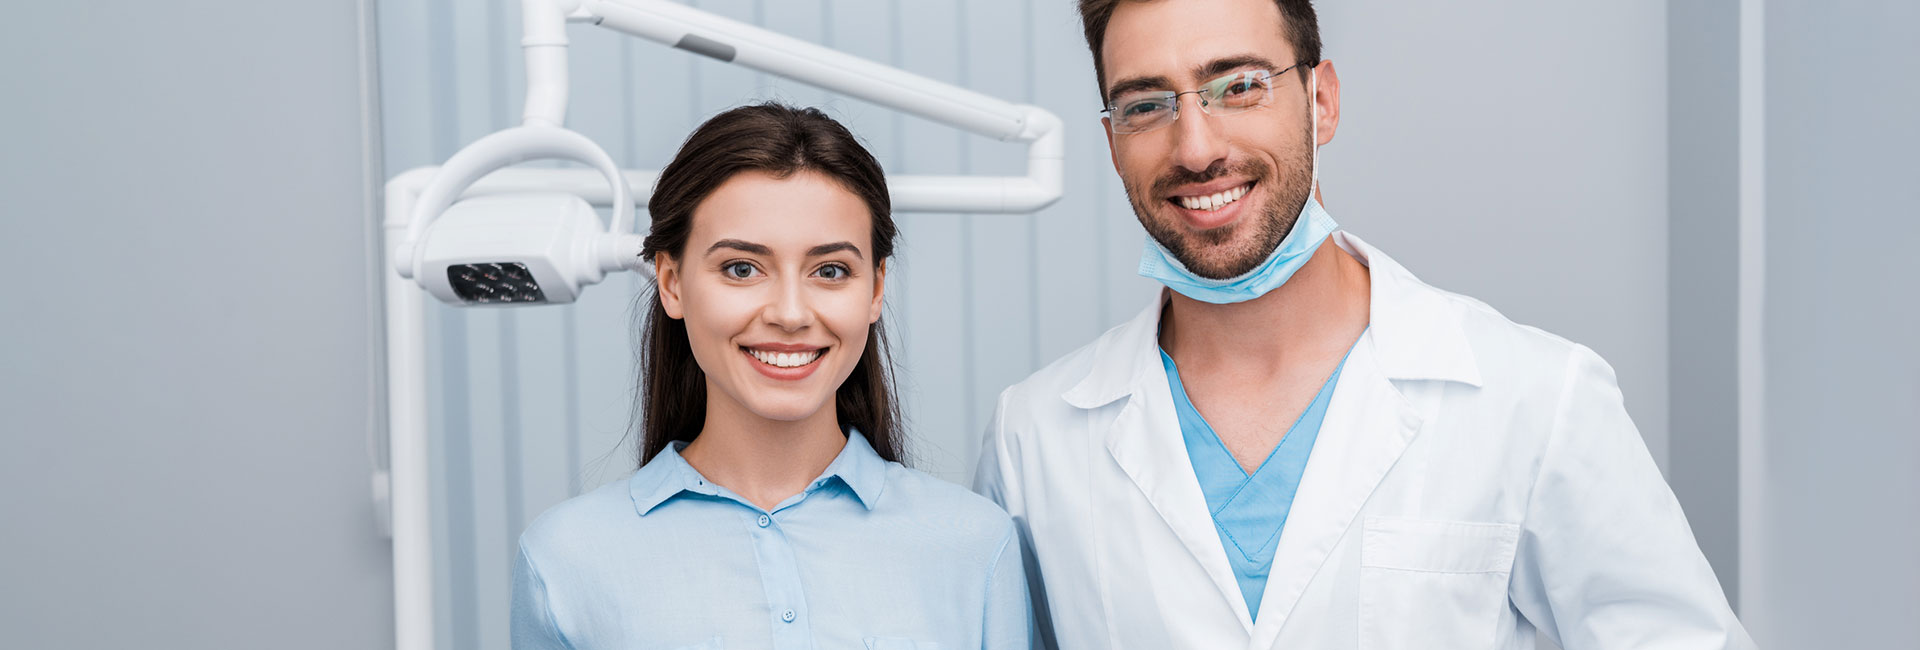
(780, 140)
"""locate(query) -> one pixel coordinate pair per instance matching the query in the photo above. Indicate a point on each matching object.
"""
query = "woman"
(770, 509)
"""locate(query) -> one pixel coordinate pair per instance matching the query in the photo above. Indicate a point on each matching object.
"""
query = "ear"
(666, 279)
(879, 291)
(1326, 97)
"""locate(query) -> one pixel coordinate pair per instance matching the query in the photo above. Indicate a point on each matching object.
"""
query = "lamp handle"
(500, 149)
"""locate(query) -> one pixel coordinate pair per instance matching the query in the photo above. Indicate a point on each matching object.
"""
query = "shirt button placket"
(780, 573)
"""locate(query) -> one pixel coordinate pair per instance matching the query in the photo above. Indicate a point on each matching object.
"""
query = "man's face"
(1219, 191)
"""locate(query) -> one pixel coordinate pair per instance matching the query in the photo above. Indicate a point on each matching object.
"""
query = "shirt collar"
(860, 468)
(668, 475)
(1416, 330)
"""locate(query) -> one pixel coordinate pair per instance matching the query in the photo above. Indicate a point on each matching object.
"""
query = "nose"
(1198, 140)
(790, 308)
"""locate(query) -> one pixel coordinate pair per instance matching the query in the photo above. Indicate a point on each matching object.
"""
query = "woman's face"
(777, 287)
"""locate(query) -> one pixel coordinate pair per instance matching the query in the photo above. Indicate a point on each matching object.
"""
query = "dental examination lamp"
(523, 248)
(475, 232)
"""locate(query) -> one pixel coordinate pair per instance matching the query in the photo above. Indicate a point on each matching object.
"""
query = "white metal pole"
(543, 38)
(407, 430)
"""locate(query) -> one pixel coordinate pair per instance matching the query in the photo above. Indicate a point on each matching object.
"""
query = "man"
(1300, 445)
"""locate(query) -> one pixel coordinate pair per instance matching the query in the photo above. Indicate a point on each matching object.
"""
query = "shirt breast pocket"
(710, 644)
(897, 643)
(1433, 584)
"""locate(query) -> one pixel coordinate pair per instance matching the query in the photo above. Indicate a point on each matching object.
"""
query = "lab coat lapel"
(1414, 333)
(1367, 427)
(1144, 439)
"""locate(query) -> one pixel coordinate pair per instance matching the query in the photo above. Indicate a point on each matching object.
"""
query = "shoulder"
(977, 521)
(1529, 372)
(1040, 396)
(1060, 375)
(562, 530)
(1515, 354)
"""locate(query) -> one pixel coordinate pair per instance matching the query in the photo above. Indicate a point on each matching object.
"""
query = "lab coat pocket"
(1433, 584)
(897, 643)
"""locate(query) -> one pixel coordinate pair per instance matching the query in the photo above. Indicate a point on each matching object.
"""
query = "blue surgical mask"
(1310, 229)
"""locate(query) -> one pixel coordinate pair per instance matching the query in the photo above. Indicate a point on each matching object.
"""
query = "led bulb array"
(491, 283)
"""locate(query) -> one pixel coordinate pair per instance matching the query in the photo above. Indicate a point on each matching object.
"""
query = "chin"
(789, 408)
(1217, 260)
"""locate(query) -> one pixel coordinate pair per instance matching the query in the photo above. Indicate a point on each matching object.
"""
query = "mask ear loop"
(1313, 108)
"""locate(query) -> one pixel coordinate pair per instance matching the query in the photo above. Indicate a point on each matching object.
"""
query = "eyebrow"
(1207, 70)
(823, 249)
(761, 249)
(742, 246)
(1133, 84)
(1228, 64)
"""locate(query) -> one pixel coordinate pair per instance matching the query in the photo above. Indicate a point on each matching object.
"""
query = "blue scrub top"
(870, 555)
(1248, 510)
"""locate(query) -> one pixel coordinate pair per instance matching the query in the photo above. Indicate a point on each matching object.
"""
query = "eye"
(833, 272)
(1244, 90)
(738, 270)
(1142, 108)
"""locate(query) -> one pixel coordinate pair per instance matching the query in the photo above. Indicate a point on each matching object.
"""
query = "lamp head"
(511, 249)
(514, 249)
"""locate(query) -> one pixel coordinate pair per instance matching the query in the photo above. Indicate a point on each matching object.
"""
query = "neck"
(763, 460)
(1324, 303)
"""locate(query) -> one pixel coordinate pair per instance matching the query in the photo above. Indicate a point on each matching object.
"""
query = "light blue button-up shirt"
(870, 555)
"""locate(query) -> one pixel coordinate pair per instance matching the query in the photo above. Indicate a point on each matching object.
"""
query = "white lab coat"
(1475, 482)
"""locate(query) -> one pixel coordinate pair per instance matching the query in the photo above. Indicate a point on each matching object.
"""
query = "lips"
(1212, 201)
(1210, 207)
(785, 359)
(784, 362)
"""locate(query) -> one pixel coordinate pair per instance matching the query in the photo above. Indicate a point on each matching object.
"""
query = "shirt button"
(787, 616)
(764, 522)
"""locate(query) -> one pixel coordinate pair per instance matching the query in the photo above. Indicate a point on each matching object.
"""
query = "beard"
(1223, 252)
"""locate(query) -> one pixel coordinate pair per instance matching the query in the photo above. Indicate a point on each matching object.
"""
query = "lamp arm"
(687, 28)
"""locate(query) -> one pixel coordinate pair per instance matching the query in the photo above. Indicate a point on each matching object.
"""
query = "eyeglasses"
(1145, 110)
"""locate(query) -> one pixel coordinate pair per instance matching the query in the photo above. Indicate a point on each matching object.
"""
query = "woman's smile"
(784, 362)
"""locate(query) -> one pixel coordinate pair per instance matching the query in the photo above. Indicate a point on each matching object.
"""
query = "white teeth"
(785, 359)
(1213, 201)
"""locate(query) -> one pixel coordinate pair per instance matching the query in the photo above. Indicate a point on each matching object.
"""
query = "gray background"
(1836, 489)
(185, 352)
(186, 456)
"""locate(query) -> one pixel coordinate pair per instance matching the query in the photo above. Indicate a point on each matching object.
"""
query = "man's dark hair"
(1302, 29)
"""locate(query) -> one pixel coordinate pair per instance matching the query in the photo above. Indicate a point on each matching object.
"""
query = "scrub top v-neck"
(1249, 510)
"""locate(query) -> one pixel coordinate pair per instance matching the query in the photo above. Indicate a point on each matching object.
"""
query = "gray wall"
(185, 366)
(1516, 151)
(1703, 165)
(1840, 502)
(1512, 179)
